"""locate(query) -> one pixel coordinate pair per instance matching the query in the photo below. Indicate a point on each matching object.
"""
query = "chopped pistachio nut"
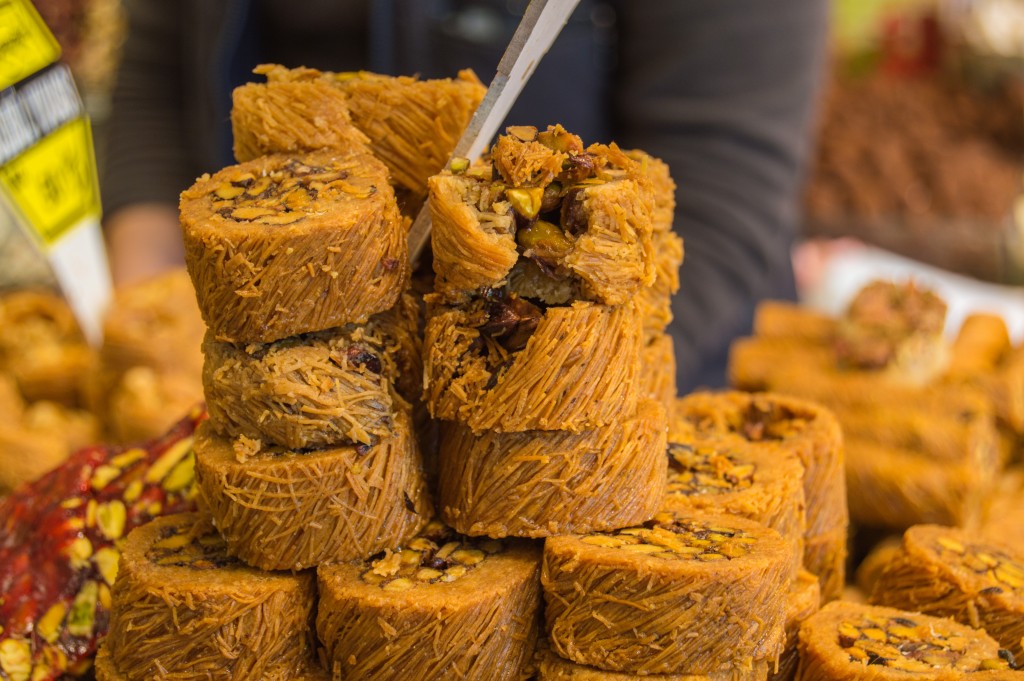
(79, 551)
(168, 460)
(16, 659)
(459, 165)
(706, 470)
(48, 626)
(676, 539)
(177, 547)
(181, 476)
(437, 555)
(525, 200)
(106, 560)
(111, 518)
(900, 643)
(545, 239)
(997, 568)
(103, 476)
(82, 618)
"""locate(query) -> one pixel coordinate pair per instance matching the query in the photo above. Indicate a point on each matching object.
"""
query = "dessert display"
(850, 640)
(780, 427)
(921, 437)
(441, 606)
(60, 543)
(947, 572)
(266, 237)
(540, 483)
(182, 608)
(628, 600)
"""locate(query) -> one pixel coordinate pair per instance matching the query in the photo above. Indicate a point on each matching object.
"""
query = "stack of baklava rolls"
(299, 260)
(532, 346)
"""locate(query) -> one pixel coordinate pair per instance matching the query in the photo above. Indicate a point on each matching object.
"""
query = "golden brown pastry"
(289, 510)
(441, 607)
(541, 483)
(284, 245)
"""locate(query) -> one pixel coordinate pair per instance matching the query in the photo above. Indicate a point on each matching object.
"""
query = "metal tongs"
(541, 24)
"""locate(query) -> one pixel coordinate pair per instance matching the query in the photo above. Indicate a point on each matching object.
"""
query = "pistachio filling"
(677, 539)
(285, 195)
(438, 554)
(993, 565)
(178, 547)
(761, 421)
(706, 470)
(904, 644)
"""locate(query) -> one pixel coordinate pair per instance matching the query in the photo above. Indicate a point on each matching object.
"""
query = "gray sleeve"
(146, 158)
(724, 92)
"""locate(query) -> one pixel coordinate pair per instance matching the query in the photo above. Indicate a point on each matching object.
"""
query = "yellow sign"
(53, 183)
(26, 45)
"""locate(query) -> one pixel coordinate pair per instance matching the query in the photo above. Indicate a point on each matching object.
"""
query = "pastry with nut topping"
(777, 424)
(442, 606)
(723, 474)
(949, 572)
(557, 221)
(504, 363)
(284, 245)
(281, 509)
(853, 641)
(640, 599)
(541, 483)
(319, 389)
(184, 609)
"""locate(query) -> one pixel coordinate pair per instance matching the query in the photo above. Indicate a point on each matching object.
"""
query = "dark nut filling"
(706, 470)
(438, 554)
(179, 547)
(678, 539)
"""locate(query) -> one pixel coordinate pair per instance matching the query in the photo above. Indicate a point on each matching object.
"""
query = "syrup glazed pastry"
(551, 667)
(184, 609)
(284, 245)
(782, 319)
(42, 348)
(411, 125)
(560, 222)
(778, 423)
(289, 510)
(313, 390)
(502, 363)
(288, 116)
(726, 475)
(948, 572)
(804, 600)
(629, 600)
(896, 487)
(441, 607)
(895, 327)
(854, 641)
(541, 483)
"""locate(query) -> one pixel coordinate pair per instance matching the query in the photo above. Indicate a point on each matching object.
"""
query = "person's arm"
(146, 163)
(723, 91)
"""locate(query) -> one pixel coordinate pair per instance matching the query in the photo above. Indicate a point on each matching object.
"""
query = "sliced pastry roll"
(442, 606)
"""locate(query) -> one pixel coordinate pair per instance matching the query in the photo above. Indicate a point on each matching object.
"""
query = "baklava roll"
(949, 572)
(441, 607)
(184, 609)
(555, 220)
(632, 600)
(542, 483)
(288, 510)
(853, 641)
(313, 390)
(501, 363)
(284, 245)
